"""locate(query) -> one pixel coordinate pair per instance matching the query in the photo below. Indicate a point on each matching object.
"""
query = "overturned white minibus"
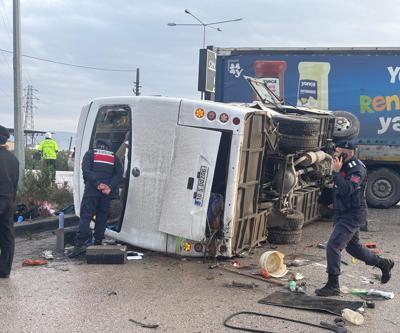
(205, 178)
(181, 153)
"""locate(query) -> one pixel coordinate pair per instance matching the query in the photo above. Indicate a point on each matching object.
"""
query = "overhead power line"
(74, 65)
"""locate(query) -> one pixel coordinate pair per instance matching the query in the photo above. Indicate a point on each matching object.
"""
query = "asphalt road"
(181, 295)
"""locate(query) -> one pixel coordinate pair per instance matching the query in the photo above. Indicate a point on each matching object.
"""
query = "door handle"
(135, 172)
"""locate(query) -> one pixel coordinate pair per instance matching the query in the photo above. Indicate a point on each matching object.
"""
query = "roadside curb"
(45, 224)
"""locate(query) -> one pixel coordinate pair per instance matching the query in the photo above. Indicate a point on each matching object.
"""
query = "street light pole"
(204, 25)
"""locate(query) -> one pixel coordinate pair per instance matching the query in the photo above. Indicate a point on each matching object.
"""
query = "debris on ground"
(144, 325)
(273, 263)
(106, 254)
(237, 284)
(48, 254)
(366, 280)
(255, 275)
(338, 326)
(133, 255)
(301, 259)
(353, 317)
(313, 303)
(235, 263)
(298, 262)
(34, 262)
(367, 292)
(111, 292)
(296, 277)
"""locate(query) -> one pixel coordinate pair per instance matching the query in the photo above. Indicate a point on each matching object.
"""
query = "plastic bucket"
(272, 262)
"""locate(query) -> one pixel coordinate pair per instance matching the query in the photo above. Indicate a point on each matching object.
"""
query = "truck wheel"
(297, 125)
(383, 188)
(279, 236)
(294, 220)
(347, 125)
(293, 143)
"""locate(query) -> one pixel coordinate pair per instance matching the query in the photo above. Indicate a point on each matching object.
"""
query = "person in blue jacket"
(102, 173)
(350, 180)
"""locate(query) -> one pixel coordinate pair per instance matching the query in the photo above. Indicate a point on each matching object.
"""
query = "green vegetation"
(40, 193)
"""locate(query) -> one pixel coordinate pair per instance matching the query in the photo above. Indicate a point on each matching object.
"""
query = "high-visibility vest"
(48, 148)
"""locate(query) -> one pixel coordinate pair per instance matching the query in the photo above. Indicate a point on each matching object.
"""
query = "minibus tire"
(294, 220)
(296, 125)
(349, 129)
(293, 143)
(279, 236)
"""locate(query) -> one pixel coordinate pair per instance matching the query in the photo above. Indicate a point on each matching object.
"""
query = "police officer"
(49, 149)
(9, 174)
(102, 173)
(350, 179)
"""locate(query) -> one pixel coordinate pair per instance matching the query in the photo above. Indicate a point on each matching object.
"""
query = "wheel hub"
(342, 124)
(382, 188)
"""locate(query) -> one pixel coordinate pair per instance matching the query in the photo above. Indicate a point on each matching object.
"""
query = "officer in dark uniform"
(350, 180)
(102, 173)
(9, 174)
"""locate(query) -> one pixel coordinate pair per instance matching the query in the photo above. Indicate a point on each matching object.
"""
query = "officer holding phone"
(350, 181)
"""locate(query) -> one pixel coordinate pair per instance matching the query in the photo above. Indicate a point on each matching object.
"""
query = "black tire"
(297, 125)
(294, 220)
(347, 126)
(293, 143)
(279, 236)
(383, 188)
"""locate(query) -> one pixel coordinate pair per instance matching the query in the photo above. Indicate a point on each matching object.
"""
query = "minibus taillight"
(199, 113)
(236, 121)
(187, 247)
(211, 115)
(223, 118)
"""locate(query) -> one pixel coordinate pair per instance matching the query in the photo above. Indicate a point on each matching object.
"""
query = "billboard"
(366, 84)
(207, 69)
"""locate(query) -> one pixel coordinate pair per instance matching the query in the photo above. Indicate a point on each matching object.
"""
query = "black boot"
(331, 288)
(98, 242)
(386, 266)
(79, 249)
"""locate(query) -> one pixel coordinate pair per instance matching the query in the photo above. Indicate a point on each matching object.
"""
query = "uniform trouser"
(7, 241)
(97, 205)
(345, 235)
(51, 166)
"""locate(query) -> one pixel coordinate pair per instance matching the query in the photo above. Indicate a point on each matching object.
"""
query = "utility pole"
(136, 89)
(29, 107)
(18, 115)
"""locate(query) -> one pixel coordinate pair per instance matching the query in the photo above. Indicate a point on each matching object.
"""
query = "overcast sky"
(125, 34)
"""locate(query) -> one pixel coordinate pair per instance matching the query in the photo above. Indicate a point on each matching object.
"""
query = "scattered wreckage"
(210, 179)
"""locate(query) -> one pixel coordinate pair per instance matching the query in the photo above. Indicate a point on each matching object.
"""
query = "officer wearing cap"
(102, 173)
(350, 180)
(9, 174)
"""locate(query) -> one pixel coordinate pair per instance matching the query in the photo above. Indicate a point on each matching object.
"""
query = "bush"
(39, 192)
(33, 160)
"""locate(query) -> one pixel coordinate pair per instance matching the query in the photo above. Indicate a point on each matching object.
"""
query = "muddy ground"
(182, 295)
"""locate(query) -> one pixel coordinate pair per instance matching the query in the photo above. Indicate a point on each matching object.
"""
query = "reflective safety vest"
(48, 148)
